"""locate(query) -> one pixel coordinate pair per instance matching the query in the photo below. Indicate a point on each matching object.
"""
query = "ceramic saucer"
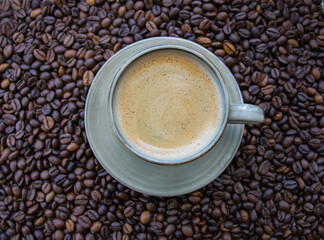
(135, 173)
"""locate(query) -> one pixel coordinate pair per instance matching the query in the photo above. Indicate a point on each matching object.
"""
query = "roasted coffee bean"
(18, 216)
(96, 195)
(229, 48)
(264, 167)
(69, 225)
(261, 47)
(93, 215)
(227, 29)
(145, 217)
(150, 26)
(68, 40)
(204, 41)
(129, 212)
(196, 19)
(244, 33)
(84, 221)
(290, 185)
(127, 228)
(272, 32)
(48, 123)
(88, 78)
(40, 55)
(81, 200)
(77, 211)
(96, 226)
(65, 138)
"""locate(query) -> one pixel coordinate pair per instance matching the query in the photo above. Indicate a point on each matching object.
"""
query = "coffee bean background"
(52, 186)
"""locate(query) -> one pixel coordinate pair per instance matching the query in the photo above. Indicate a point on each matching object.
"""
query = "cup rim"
(194, 156)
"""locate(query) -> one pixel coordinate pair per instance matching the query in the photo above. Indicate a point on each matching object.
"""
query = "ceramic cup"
(232, 114)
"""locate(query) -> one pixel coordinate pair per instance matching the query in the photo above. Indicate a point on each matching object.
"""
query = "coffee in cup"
(167, 104)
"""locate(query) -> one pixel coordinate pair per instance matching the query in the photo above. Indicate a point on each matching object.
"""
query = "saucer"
(135, 173)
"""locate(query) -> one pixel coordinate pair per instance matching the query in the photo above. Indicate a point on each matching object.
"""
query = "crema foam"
(167, 105)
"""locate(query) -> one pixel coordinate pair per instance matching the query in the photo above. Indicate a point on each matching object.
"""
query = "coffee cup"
(169, 105)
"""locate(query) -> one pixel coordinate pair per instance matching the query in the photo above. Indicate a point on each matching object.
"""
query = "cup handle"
(245, 113)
